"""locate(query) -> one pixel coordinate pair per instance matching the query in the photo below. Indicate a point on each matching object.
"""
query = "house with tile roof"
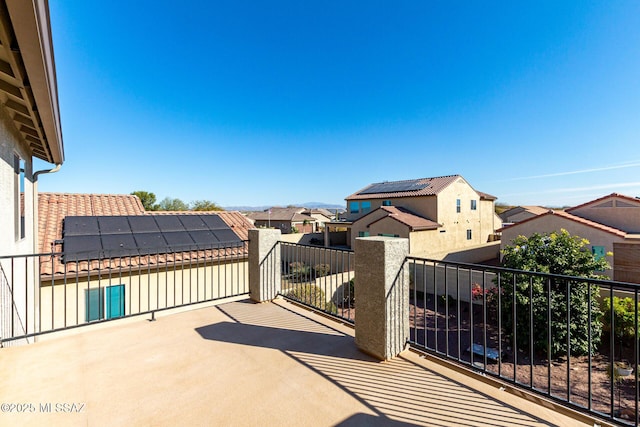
(30, 129)
(439, 215)
(288, 220)
(126, 253)
(520, 213)
(610, 223)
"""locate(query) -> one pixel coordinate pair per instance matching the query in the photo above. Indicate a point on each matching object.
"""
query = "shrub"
(313, 296)
(322, 269)
(316, 241)
(624, 318)
(299, 271)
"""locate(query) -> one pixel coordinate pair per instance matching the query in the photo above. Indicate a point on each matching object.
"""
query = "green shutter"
(115, 301)
(94, 304)
(598, 251)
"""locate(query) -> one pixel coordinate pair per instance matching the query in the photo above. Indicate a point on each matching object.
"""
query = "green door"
(115, 301)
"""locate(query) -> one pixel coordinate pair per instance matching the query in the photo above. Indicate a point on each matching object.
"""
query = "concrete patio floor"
(244, 364)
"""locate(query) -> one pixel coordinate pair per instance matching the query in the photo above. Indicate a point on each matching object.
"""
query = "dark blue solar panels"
(143, 224)
(150, 241)
(226, 236)
(82, 247)
(193, 222)
(169, 223)
(395, 187)
(120, 236)
(214, 222)
(118, 244)
(80, 225)
(178, 240)
(113, 224)
(204, 238)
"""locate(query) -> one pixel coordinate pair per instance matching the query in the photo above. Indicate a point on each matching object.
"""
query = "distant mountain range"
(313, 205)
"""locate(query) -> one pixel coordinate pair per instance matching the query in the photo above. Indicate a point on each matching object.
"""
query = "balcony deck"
(245, 364)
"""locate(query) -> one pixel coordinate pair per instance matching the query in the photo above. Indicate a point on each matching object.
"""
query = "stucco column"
(264, 264)
(382, 296)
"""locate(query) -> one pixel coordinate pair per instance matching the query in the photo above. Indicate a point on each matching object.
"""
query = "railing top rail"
(498, 269)
(316, 246)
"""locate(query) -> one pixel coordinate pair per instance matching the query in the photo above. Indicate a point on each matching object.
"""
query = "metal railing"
(572, 340)
(44, 293)
(319, 277)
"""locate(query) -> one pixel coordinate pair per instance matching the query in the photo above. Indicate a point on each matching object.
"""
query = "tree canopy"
(171, 204)
(204, 205)
(148, 200)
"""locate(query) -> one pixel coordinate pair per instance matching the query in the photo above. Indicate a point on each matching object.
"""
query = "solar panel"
(178, 239)
(81, 247)
(193, 222)
(143, 224)
(226, 236)
(113, 224)
(204, 238)
(80, 225)
(395, 187)
(118, 244)
(169, 223)
(150, 241)
(214, 222)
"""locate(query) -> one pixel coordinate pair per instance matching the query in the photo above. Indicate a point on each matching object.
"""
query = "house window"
(94, 304)
(598, 252)
(469, 234)
(365, 207)
(354, 207)
(363, 234)
(474, 205)
(386, 203)
(19, 169)
(388, 235)
(458, 205)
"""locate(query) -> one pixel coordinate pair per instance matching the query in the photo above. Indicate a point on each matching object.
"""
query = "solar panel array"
(89, 237)
(396, 187)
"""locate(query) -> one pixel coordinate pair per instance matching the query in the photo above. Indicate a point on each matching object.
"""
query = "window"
(363, 234)
(386, 203)
(354, 207)
(365, 206)
(19, 169)
(388, 235)
(458, 205)
(94, 304)
(474, 205)
(598, 251)
(469, 234)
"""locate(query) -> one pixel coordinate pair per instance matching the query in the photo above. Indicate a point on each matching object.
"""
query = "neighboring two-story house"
(610, 224)
(439, 216)
(287, 220)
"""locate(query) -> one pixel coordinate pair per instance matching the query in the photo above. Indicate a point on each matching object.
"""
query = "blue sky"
(266, 103)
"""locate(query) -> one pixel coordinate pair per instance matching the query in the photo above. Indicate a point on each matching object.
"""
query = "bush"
(299, 271)
(316, 241)
(313, 296)
(322, 269)
(624, 318)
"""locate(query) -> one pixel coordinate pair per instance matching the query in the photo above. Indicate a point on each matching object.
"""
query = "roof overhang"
(28, 85)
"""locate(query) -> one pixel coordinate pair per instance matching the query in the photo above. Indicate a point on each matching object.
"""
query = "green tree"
(171, 204)
(148, 200)
(556, 253)
(205, 205)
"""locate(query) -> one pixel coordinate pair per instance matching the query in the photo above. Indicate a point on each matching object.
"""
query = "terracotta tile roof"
(486, 196)
(406, 217)
(608, 196)
(281, 214)
(570, 217)
(54, 207)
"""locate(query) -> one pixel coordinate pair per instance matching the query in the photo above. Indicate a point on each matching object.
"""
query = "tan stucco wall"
(143, 292)
(623, 215)
(551, 223)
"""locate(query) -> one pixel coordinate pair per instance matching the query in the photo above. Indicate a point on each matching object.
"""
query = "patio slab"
(243, 364)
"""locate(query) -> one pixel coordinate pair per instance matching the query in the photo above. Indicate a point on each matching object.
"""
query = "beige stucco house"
(287, 220)
(520, 213)
(610, 224)
(439, 216)
(29, 128)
